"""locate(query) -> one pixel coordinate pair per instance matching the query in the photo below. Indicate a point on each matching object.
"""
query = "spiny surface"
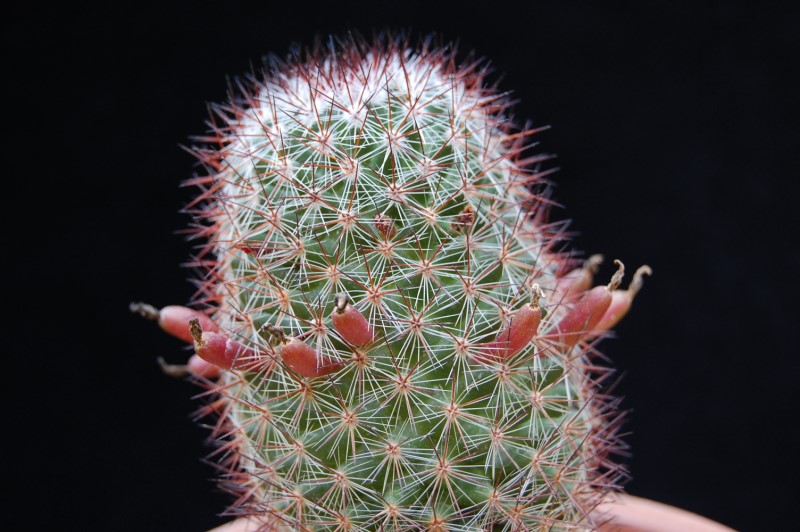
(392, 176)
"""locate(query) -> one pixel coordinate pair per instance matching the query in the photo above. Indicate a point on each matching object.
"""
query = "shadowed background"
(673, 130)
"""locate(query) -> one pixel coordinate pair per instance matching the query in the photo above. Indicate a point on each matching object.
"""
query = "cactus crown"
(388, 181)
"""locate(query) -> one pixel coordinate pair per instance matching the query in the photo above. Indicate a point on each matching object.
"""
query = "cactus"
(392, 331)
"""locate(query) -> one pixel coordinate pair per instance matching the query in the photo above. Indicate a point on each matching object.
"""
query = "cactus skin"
(393, 177)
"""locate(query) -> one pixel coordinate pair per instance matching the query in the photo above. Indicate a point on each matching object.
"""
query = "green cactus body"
(394, 177)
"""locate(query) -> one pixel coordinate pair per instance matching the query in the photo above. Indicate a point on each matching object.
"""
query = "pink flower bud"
(201, 368)
(587, 312)
(350, 323)
(521, 329)
(574, 283)
(621, 301)
(219, 350)
(303, 359)
(175, 319)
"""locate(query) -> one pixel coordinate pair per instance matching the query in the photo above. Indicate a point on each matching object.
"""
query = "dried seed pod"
(464, 220)
(220, 350)
(575, 282)
(303, 359)
(385, 225)
(521, 329)
(587, 312)
(350, 323)
(621, 301)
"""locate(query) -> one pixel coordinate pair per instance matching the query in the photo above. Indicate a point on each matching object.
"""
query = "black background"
(676, 140)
